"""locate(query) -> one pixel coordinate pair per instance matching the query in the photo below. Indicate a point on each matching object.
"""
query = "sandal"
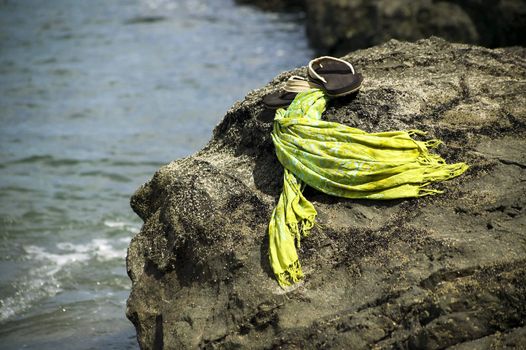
(292, 87)
(337, 77)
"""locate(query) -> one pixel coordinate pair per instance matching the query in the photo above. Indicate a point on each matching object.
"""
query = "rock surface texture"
(429, 273)
(337, 27)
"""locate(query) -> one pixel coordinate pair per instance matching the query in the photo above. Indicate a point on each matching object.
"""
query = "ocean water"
(94, 97)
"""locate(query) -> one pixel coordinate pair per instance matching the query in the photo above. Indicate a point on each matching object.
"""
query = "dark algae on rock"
(445, 271)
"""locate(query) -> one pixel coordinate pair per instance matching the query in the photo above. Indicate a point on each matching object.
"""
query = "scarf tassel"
(293, 274)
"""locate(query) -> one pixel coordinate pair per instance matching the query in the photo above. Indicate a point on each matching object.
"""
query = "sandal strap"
(300, 84)
(318, 62)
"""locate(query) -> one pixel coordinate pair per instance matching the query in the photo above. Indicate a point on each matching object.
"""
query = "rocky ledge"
(434, 272)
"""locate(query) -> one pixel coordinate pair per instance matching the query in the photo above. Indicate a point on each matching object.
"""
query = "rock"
(433, 272)
(491, 24)
(275, 5)
(145, 19)
(337, 27)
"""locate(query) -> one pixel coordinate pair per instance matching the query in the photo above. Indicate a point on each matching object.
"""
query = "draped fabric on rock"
(340, 161)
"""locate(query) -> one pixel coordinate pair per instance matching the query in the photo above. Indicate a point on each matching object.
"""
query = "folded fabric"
(340, 161)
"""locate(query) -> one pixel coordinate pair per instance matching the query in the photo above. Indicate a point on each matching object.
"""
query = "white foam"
(43, 282)
(105, 251)
(100, 248)
(118, 224)
(29, 290)
(39, 283)
(57, 260)
(123, 225)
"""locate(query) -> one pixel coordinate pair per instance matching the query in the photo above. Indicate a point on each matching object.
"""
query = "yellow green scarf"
(340, 161)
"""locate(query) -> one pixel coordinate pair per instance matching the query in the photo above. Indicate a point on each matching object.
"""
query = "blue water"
(94, 97)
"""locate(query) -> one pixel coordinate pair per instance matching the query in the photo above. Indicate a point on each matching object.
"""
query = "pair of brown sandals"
(333, 75)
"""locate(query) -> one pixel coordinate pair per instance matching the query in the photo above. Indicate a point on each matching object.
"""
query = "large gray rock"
(427, 273)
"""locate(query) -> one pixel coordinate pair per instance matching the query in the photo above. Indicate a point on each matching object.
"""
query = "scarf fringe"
(293, 274)
(426, 158)
(433, 143)
(424, 191)
(453, 170)
(416, 132)
(306, 225)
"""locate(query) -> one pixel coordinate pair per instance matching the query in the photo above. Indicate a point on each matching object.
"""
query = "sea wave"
(100, 248)
(44, 281)
(123, 225)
